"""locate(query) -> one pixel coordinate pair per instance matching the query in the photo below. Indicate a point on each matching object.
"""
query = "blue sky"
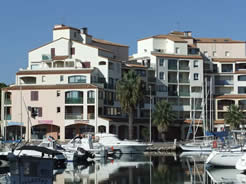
(27, 24)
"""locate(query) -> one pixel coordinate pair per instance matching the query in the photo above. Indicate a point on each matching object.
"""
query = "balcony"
(223, 82)
(172, 67)
(184, 81)
(7, 101)
(90, 100)
(74, 100)
(73, 116)
(7, 117)
(91, 116)
(183, 93)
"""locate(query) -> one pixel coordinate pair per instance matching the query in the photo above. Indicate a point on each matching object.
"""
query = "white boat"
(224, 158)
(223, 175)
(111, 141)
(197, 146)
(241, 163)
(38, 152)
(85, 143)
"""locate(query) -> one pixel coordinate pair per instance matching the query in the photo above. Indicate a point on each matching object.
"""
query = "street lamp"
(150, 104)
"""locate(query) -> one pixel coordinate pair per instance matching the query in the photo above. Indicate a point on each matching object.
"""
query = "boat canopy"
(220, 135)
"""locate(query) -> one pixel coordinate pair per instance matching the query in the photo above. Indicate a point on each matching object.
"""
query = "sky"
(28, 24)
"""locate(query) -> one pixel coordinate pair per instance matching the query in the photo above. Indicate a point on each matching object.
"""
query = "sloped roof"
(42, 72)
(217, 40)
(177, 56)
(108, 42)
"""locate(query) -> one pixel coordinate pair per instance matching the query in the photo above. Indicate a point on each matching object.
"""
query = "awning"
(12, 123)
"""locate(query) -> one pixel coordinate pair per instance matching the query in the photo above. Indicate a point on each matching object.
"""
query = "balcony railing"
(184, 81)
(74, 100)
(7, 101)
(172, 67)
(183, 67)
(172, 93)
(91, 115)
(8, 117)
(73, 116)
(90, 100)
(181, 93)
(172, 80)
(223, 82)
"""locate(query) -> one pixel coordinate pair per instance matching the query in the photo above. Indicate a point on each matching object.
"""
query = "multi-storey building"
(68, 87)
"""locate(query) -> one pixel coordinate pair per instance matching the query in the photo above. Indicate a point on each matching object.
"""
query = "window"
(177, 50)
(43, 78)
(61, 77)
(206, 53)
(148, 62)
(161, 75)
(58, 109)
(161, 62)
(162, 88)
(72, 51)
(214, 53)
(227, 53)
(196, 76)
(36, 111)
(53, 52)
(227, 68)
(34, 95)
(77, 79)
(58, 93)
(102, 63)
(195, 63)
(74, 34)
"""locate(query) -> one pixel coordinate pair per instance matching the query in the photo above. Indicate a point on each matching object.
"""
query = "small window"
(148, 62)
(58, 109)
(43, 78)
(196, 76)
(227, 53)
(161, 75)
(177, 50)
(161, 62)
(196, 63)
(61, 77)
(58, 93)
(72, 51)
(74, 34)
(34, 95)
(53, 52)
(102, 63)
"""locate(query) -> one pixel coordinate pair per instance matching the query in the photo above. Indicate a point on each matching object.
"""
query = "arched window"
(77, 79)
(102, 63)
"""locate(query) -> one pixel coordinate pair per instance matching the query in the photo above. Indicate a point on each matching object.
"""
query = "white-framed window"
(161, 75)
(227, 53)
(196, 76)
(177, 50)
(161, 62)
(195, 63)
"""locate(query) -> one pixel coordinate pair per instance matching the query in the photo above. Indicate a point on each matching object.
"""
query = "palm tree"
(162, 116)
(129, 92)
(234, 116)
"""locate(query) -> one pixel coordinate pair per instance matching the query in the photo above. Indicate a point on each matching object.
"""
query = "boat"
(111, 141)
(241, 163)
(72, 155)
(85, 143)
(223, 175)
(224, 158)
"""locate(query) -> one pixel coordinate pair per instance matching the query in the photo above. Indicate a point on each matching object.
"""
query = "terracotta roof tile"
(60, 57)
(177, 56)
(42, 72)
(231, 97)
(108, 42)
(55, 87)
(170, 37)
(228, 59)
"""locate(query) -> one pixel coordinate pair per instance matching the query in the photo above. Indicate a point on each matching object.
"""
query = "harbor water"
(150, 168)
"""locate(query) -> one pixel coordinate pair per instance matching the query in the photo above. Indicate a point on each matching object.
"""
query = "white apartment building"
(177, 67)
(67, 89)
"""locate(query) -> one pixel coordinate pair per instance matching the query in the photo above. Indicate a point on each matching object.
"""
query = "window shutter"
(34, 95)
(72, 51)
(53, 52)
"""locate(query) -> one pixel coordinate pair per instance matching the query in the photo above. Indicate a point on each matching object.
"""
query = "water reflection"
(127, 169)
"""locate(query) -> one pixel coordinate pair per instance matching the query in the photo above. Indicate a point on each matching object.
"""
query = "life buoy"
(214, 144)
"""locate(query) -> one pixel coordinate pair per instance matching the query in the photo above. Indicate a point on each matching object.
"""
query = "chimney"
(84, 30)
(187, 33)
